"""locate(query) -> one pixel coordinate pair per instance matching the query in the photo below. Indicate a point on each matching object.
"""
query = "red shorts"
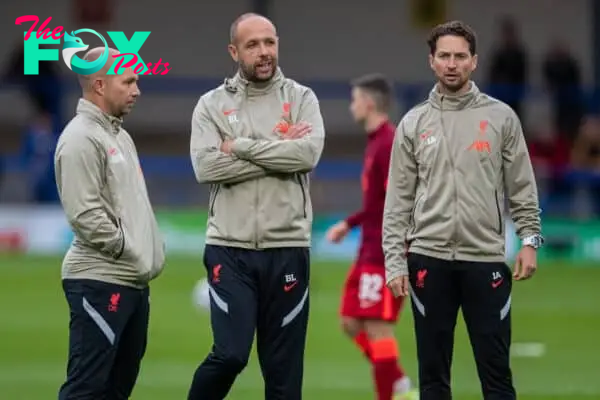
(366, 296)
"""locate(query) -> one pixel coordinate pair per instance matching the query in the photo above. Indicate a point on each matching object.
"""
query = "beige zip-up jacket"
(103, 193)
(259, 196)
(454, 160)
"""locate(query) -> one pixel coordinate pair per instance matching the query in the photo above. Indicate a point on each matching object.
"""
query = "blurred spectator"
(550, 153)
(563, 78)
(39, 143)
(43, 89)
(509, 68)
(2, 169)
(584, 180)
(550, 156)
(585, 154)
(96, 14)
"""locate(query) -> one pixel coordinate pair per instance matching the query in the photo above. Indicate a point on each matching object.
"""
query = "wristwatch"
(535, 241)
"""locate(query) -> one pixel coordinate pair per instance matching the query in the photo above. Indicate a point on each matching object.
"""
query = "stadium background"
(323, 44)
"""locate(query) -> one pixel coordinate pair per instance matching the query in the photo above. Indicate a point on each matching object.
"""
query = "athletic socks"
(383, 356)
(385, 367)
(362, 342)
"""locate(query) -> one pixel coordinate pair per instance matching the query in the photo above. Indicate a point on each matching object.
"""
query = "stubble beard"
(249, 72)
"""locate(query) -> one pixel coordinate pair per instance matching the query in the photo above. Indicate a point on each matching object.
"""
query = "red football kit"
(365, 293)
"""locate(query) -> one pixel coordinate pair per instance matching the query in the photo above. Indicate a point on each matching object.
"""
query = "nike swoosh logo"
(289, 287)
(228, 112)
(497, 283)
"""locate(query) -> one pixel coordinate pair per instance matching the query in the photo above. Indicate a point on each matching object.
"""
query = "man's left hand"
(526, 264)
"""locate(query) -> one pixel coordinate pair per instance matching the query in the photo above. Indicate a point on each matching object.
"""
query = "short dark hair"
(379, 87)
(453, 28)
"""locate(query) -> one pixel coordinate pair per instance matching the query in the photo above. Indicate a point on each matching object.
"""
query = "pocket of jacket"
(128, 253)
(213, 200)
(498, 212)
(416, 210)
(301, 184)
(119, 254)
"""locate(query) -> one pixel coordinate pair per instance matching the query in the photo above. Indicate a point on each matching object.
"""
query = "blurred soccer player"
(454, 157)
(117, 248)
(254, 140)
(369, 309)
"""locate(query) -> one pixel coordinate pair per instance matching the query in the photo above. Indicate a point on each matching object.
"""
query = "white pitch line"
(528, 350)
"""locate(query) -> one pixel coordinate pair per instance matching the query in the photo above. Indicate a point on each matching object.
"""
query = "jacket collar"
(239, 83)
(108, 122)
(452, 101)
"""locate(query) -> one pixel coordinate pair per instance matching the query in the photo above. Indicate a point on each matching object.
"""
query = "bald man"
(255, 139)
(117, 249)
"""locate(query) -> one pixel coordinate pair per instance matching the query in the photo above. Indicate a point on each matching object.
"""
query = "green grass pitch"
(559, 309)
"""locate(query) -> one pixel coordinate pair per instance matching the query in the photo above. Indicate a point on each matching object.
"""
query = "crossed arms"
(254, 158)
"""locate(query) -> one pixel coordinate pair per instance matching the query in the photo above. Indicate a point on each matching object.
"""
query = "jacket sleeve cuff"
(400, 270)
(529, 232)
(241, 147)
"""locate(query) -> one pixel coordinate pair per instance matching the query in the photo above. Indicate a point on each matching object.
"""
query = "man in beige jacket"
(255, 140)
(454, 157)
(117, 249)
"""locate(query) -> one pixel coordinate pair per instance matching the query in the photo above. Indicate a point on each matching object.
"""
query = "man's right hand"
(399, 286)
(226, 146)
(338, 232)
